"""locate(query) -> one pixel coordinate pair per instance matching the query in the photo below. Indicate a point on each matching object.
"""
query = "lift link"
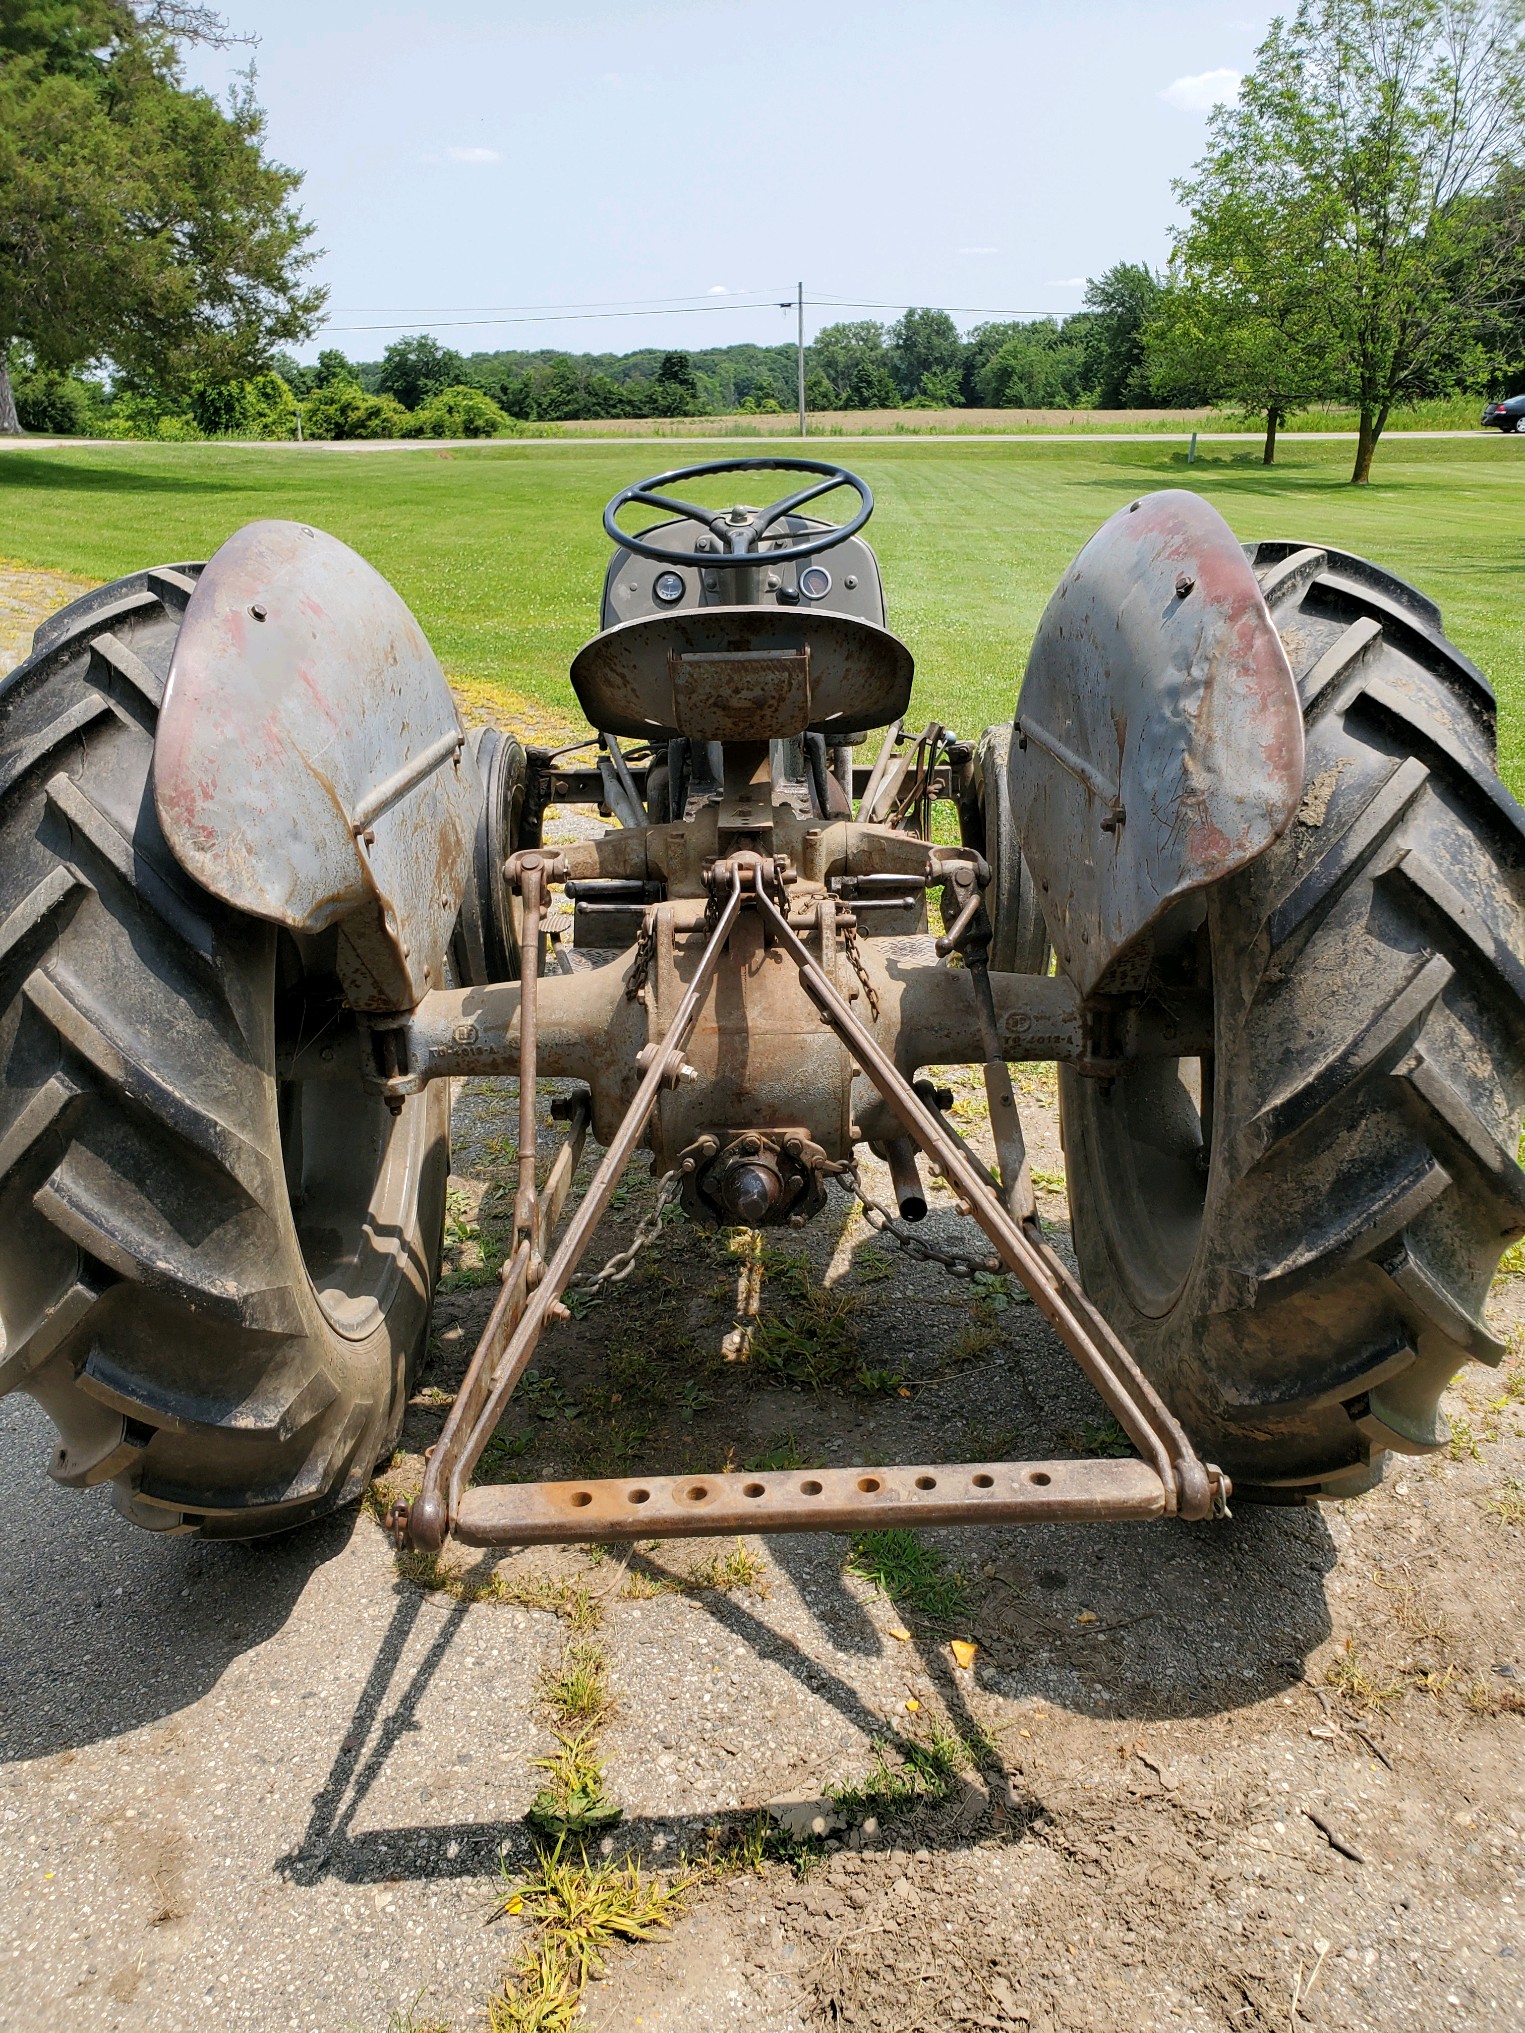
(1168, 1478)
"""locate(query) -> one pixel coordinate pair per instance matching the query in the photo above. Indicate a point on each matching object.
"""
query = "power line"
(695, 296)
(680, 307)
(560, 317)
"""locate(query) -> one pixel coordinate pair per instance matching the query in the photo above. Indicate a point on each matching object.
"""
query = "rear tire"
(215, 1277)
(1302, 1264)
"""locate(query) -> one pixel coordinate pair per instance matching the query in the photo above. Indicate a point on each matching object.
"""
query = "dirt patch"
(27, 596)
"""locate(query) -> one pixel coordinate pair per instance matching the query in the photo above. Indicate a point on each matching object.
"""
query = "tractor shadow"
(108, 1627)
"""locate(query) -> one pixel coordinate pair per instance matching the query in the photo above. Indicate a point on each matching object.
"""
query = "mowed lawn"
(499, 549)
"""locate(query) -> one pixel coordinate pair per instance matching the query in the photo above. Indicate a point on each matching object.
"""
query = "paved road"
(789, 442)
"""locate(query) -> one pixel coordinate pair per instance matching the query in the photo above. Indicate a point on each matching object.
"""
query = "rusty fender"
(1159, 739)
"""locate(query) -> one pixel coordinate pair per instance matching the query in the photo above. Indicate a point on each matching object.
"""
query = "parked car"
(1507, 415)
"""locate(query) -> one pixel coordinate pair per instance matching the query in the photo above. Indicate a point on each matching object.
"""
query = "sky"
(474, 170)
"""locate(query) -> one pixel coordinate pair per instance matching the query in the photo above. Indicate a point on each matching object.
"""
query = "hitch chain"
(850, 947)
(955, 1262)
(622, 1263)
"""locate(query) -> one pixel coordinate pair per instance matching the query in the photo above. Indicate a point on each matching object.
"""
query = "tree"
(414, 369)
(1040, 364)
(676, 390)
(872, 387)
(819, 393)
(140, 222)
(837, 352)
(1121, 302)
(1380, 129)
(925, 343)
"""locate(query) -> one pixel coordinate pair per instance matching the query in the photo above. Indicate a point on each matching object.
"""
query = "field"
(500, 552)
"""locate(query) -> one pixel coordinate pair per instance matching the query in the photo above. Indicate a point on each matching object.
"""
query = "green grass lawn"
(500, 553)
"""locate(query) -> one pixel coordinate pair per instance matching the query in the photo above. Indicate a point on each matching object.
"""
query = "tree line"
(1354, 235)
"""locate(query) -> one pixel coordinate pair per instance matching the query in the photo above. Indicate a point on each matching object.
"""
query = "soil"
(1252, 1774)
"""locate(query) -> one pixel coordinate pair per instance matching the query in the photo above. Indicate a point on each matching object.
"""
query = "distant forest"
(1093, 358)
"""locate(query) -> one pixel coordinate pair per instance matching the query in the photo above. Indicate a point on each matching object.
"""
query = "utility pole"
(800, 350)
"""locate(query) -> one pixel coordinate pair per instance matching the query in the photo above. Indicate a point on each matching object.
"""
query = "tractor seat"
(755, 673)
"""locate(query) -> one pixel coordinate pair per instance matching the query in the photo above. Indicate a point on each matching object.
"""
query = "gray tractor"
(1241, 864)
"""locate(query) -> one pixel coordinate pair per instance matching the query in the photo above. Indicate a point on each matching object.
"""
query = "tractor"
(1240, 864)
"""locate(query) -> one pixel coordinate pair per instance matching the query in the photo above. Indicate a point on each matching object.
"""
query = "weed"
(877, 1383)
(758, 1842)
(572, 1601)
(577, 1694)
(1049, 1182)
(500, 1450)
(737, 1569)
(911, 1574)
(691, 1398)
(406, 2020)
(813, 1346)
(1105, 1438)
(1462, 1445)
(723, 1571)
(1508, 1500)
(911, 1769)
(993, 1289)
(1350, 1678)
(871, 1266)
(977, 1339)
(635, 1373)
(606, 1447)
(783, 1455)
(573, 1800)
(580, 1910)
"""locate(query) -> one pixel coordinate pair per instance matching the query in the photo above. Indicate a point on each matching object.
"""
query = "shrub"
(344, 410)
(459, 411)
(141, 413)
(262, 408)
(55, 404)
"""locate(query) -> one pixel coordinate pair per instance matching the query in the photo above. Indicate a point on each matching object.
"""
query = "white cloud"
(717, 289)
(472, 155)
(979, 250)
(1201, 93)
(1067, 282)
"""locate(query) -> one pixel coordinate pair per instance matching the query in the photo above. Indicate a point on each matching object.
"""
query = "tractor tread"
(1369, 1067)
(153, 1294)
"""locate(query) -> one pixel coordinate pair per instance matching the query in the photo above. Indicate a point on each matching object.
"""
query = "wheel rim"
(352, 1168)
(1151, 1136)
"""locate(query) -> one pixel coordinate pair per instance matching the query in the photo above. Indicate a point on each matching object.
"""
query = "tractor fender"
(310, 767)
(1158, 743)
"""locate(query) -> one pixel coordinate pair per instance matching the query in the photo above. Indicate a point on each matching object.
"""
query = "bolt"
(1184, 584)
(257, 611)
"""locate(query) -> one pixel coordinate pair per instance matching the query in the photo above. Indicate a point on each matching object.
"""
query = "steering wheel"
(739, 530)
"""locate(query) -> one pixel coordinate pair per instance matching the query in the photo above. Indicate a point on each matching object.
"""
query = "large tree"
(1241, 320)
(1121, 302)
(141, 223)
(1378, 129)
(926, 355)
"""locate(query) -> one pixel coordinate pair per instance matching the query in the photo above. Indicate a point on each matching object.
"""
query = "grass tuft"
(1508, 1500)
(911, 1574)
(580, 1910)
(576, 1694)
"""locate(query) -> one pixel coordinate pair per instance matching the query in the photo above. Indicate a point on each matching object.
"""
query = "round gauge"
(815, 582)
(668, 587)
